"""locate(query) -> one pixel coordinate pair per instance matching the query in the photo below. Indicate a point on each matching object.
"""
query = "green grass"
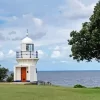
(30, 92)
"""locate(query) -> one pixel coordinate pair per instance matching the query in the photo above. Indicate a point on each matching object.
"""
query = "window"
(29, 47)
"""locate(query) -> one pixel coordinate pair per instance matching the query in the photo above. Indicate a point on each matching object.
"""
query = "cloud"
(54, 35)
(41, 53)
(1, 55)
(15, 28)
(0, 46)
(55, 54)
(18, 48)
(37, 35)
(75, 9)
(61, 53)
(9, 36)
(64, 61)
(11, 54)
(2, 38)
(38, 22)
(16, 8)
(57, 48)
(7, 56)
(42, 33)
(12, 33)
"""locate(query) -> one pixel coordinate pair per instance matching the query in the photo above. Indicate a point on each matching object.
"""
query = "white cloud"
(38, 22)
(57, 48)
(41, 54)
(19, 25)
(64, 61)
(18, 48)
(0, 46)
(25, 21)
(1, 55)
(61, 53)
(41, 33)
(5, 56)
(54, 35)
(75, 9)
(11, 54)
(55, 54)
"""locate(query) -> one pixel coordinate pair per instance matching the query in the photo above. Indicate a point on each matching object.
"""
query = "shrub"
(3, 73)
(96, 87)
(10, 78)
(79, 86)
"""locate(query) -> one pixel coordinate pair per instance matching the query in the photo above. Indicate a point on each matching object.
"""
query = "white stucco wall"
(14, 73)
(18, 73)
(23, 47)
(28, 62)
(33, 74)
(27, 74)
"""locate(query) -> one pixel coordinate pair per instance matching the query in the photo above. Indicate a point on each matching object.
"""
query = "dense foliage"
(85, 44)
(79, 86)
(10, 78)
(3, 73)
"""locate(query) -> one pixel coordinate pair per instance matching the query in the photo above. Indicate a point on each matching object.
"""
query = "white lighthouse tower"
(25, 70)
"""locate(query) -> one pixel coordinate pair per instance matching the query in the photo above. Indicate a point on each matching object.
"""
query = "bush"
(3, 73)
(79, 86)
(96, 87)
(10, 78)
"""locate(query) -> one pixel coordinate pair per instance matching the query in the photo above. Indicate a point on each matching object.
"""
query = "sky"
(49, 23)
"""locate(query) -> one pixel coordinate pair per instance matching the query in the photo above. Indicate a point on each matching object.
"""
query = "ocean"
(70, 78)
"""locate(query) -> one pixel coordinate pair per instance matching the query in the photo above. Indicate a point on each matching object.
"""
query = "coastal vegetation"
(4, 77)
(79, 86)
(85, 44)
(3, 73)
(10, 78)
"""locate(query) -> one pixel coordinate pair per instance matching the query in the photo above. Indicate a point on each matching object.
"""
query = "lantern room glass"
(29, 47)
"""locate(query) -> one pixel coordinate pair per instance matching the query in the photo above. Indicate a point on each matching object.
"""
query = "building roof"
(27, 40)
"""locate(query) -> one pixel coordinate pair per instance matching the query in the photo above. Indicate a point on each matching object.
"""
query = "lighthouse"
(25, 70)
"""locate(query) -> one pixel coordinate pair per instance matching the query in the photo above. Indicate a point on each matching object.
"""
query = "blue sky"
(49, 23)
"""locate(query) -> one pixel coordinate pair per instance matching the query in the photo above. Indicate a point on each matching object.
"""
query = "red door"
(23, 74)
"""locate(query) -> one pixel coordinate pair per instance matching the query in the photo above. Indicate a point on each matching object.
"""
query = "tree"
(3, 73)
(85, 44)
(10, 78)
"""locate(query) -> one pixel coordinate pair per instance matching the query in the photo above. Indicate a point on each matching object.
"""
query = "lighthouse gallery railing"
(26, 54)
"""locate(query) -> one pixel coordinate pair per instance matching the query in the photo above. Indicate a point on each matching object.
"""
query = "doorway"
(23, 74)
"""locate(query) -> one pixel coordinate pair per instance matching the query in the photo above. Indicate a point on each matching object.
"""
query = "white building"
(25, 70)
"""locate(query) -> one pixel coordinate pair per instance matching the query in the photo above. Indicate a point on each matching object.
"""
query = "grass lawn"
(30, 92)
